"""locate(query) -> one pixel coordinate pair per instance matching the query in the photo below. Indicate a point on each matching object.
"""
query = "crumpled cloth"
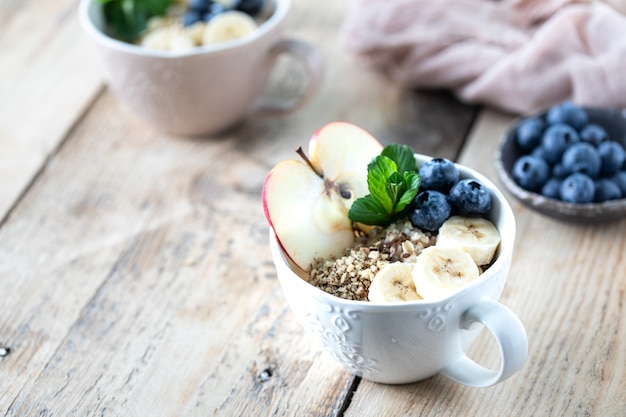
(520, 56)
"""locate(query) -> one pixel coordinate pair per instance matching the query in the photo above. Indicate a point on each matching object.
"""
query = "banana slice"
(393, 283)
(474, 235)
(440, 270)
(168, 38)
(196, 32)
(228, 26)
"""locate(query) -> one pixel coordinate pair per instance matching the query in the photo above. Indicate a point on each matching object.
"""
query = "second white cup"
(205, 90)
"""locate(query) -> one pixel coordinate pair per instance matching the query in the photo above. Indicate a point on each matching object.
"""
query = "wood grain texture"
(136, 277)
(433, 123)
(566, 285)
(47, 79)
(135, 270)
(151, 275)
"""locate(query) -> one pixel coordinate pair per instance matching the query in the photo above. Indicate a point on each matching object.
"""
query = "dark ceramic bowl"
(614, 121)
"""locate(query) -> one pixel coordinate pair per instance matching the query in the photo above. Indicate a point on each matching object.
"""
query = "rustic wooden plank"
(47, 79)
(564, 287)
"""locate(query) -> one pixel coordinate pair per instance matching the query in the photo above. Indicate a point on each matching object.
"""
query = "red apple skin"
(307, 206)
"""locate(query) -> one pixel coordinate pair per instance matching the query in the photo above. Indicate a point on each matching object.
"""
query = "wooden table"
(135, 273)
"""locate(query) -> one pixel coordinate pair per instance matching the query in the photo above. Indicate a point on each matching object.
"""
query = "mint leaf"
(368, 210)
(156, 7)
(127, 19)
(378, 171)
(412, 180)
(402, 155)
(395, 188)
(393, 182)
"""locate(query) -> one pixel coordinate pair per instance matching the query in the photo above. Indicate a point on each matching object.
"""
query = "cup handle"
(508, 332)
(313, 61)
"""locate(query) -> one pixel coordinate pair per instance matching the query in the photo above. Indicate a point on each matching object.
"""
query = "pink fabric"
(521, 56)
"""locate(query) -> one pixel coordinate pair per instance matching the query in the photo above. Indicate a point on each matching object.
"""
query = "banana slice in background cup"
(408, 341)
(210, 88)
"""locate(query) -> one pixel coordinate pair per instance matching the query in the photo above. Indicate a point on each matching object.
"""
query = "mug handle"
(508, 332)
(314, 64)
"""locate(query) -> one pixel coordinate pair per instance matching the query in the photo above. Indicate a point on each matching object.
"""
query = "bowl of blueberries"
(568, 162)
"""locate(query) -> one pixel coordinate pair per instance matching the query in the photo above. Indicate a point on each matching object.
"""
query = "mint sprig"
(392, 181)
(126, 19)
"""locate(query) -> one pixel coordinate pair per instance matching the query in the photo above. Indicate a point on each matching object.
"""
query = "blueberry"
(551, 188)
(568, 113)
(191, 17)
(606, 190)
(612, 155)
(594, 134)
(431, 210)
(439, 174)
(214, 10)
(470, 197)
(577, 188)
(541, 153)
(530, 172)
(556, 139)
(620, 180)
(582, 157)
(559, 172)
(252, 7)
(200, 6)
(529, 133)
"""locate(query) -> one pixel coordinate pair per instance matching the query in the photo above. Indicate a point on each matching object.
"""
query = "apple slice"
(306, 202)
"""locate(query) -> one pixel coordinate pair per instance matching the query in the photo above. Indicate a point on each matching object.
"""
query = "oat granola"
(350, 275)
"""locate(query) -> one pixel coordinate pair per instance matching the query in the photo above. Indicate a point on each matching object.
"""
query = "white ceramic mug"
(205, 90)
(409, 341)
